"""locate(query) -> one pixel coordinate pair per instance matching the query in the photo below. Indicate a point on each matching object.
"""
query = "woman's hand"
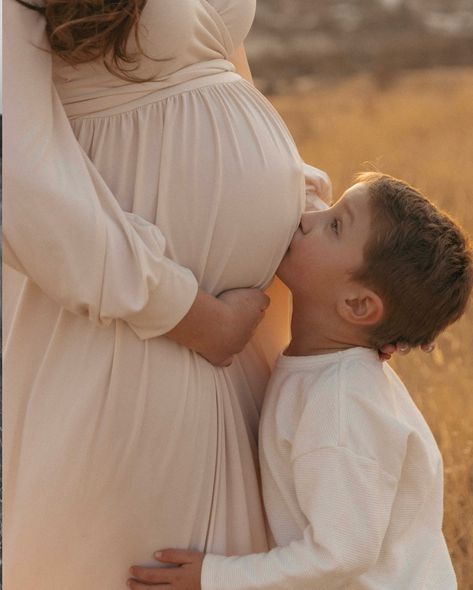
(219, 328)
(184, 577)
(388, 350)
(246, 309)
(318, 189)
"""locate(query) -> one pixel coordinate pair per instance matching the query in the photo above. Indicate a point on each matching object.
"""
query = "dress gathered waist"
(106, 100)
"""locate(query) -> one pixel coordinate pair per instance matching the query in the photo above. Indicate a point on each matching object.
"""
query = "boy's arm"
(347, 500)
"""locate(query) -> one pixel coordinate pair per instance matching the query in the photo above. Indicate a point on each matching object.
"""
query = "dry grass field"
(417, 126)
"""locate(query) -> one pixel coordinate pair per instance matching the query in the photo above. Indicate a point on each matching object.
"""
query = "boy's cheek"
(283, 268)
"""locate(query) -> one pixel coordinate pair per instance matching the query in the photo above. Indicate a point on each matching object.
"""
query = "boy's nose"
(308, 220)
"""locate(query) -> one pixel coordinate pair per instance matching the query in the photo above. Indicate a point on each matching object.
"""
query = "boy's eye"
(334, 226)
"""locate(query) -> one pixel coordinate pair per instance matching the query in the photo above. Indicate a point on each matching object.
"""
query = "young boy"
(352, 476)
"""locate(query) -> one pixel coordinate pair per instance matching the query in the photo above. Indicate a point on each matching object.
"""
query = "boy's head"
(383, 261)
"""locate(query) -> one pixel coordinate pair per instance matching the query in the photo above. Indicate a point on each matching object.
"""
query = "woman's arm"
(218, 328)
(65, 230)
(63, 227)
(240, 61)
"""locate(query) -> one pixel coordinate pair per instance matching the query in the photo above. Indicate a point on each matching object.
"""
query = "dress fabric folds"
(120, 199)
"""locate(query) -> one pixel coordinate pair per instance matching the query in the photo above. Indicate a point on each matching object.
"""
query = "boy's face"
(327, 247)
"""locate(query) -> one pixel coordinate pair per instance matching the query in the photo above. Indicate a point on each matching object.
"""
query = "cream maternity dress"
(121, 198)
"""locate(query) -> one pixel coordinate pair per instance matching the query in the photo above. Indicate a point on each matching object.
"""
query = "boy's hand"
(184, 577)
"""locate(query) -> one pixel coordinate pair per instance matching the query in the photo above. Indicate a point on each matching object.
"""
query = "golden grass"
(420, 128)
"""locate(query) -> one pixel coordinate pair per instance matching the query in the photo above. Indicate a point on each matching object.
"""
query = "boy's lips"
(299, 231)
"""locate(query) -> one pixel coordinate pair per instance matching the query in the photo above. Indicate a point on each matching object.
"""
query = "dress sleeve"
(347, 502)
(63, 228)
(237, 16)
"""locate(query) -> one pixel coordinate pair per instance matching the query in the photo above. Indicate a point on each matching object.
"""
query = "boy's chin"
(281, 272)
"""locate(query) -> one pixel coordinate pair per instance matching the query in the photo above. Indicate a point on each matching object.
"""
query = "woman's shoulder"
(237, 16)
(166, 25)
(231, 6)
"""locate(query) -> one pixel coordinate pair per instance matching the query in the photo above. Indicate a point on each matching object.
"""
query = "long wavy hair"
(84, 30)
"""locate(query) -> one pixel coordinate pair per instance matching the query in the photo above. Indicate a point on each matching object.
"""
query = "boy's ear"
(364, 308)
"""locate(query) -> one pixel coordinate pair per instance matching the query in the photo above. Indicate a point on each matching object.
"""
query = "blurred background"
(294, 40)
(388, 84)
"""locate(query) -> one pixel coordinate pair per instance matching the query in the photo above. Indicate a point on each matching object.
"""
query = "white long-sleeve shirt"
(352, 484)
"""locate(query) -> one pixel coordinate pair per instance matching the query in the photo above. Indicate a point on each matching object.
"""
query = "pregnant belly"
(240, 190)
(216, 169)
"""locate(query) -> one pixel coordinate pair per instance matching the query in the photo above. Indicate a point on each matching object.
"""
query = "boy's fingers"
(177, 556)
(153, 575)
(137, 586)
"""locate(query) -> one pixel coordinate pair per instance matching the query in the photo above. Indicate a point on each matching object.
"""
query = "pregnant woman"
(139, 167)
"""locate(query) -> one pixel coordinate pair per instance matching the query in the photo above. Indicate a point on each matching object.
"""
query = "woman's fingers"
(386, 351)
(403, 348)
(428, 347)
(400, 347)
(227, 362)
(259, 297)
(383, 356)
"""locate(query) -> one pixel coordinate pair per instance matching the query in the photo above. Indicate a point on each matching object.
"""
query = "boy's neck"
(314, 332)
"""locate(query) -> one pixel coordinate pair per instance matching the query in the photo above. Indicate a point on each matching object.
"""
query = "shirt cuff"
(168, 303)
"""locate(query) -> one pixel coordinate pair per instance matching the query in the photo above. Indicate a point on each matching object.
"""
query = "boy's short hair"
(417, 259)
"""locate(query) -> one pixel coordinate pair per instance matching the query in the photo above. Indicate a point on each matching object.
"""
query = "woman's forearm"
(219, 327)
(240, 61)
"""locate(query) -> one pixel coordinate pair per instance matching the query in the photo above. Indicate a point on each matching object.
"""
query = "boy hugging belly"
(352, 476)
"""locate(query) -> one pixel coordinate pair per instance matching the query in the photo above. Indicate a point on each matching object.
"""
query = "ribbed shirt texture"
(352, 484)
